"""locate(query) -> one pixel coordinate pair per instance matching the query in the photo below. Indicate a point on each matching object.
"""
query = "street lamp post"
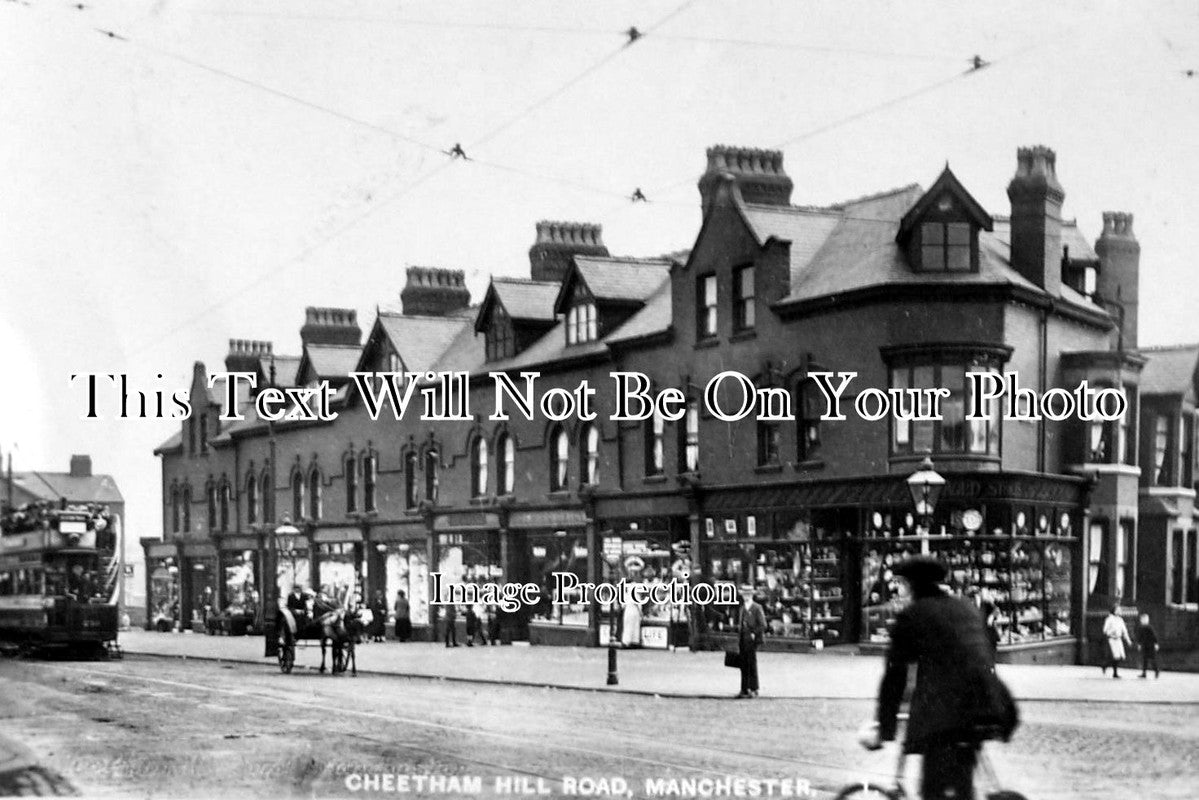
(613, 675)
(925, 486)
(282, 539)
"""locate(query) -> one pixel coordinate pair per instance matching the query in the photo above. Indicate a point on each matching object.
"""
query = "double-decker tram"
(58, 578)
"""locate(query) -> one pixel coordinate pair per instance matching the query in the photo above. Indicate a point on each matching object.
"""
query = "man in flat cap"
(751, 631)
(958, 701)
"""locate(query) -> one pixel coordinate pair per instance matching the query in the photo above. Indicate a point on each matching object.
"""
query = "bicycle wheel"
(870, 791)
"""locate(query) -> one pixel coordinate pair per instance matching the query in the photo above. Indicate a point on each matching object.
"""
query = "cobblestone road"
(148, 727)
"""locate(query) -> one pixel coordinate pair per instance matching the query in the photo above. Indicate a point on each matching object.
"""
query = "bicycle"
(866, 790)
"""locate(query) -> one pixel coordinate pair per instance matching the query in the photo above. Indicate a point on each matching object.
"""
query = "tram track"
(826, 786)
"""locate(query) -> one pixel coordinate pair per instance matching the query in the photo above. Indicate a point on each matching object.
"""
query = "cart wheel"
(287, 657)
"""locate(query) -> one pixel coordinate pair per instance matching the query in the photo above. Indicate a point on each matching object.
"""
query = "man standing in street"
(750, 633)
(958, 701)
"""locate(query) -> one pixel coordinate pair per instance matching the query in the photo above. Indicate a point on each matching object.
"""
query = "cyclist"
(958, 701)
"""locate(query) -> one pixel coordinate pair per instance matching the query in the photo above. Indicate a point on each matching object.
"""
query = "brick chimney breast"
(1036, 198)
(81, 466)
(759, 175)
(549, 257)
(430, 291)
(330, 326)
(1118, 280)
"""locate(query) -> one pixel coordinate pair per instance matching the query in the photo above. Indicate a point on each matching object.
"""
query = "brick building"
(909, 288)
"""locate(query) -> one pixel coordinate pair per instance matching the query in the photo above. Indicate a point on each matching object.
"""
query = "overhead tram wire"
(973, 68)
(563, 88)
(371, 209)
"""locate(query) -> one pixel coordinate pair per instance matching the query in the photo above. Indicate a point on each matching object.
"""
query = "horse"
(341, 630)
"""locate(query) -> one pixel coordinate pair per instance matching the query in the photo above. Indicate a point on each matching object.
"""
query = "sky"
(216, 167)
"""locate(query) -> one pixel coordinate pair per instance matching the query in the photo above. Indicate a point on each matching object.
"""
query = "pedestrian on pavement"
(495, 624)
(378, 608)
(1147, 642)
(403, 617)
(474, 627)
(958, 701)
(751, 632)
(1116, 633)
(451, 625)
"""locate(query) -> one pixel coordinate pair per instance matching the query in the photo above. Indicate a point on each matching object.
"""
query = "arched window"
(314, 494)
(251, 500)
(655, 452)
(210, 495)
(187, 508)
(268, 496)
(689, 439)
(506, 464)
(351, 470)
(589, 454)
(431, 477)
(226, 497)
(370, 476)
(559, 460)
(478, 467)
(410, 499)
(297, 496)
(175, 506)
(191, 436)
(203, 433)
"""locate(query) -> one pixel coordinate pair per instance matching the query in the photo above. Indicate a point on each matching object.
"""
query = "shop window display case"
(1021, 566)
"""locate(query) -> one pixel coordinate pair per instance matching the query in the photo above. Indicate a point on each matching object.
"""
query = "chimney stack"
(246, 354)
(434, 292)
(331, 326)
(81, 466)
(1119, 273)
(1037, 218)
(759, 175)
(549, 257)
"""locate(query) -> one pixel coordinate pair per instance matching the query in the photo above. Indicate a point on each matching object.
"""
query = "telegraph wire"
(563, 88)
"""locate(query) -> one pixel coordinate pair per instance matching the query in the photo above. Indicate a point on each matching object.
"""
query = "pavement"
(678, 673)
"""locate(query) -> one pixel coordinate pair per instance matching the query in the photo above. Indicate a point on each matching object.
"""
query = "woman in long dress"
(631, 623)
(1116, 633)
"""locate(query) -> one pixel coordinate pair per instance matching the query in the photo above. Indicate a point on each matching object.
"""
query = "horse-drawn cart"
(334, 628)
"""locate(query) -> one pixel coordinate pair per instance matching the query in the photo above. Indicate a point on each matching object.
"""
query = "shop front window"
(203, 590)
(162, 606)
(469, 557)
(337, 571)
(407, 571)
(292, 569)
(651, 552)
(558, 551)
(242, 600)
(1022, 573)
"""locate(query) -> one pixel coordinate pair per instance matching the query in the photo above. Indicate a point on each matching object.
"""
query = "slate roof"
(332, 360)
(653, 317)
(1170, 370)
(1072, 237)
(622, 278)
(527, 299)
(54, 485)
(286, 369)
(852, 245)
(420, 341)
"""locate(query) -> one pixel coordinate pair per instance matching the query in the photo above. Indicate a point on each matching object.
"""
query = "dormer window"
(581, 324)
(940, 232)
(501, 341)
(946, 247)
